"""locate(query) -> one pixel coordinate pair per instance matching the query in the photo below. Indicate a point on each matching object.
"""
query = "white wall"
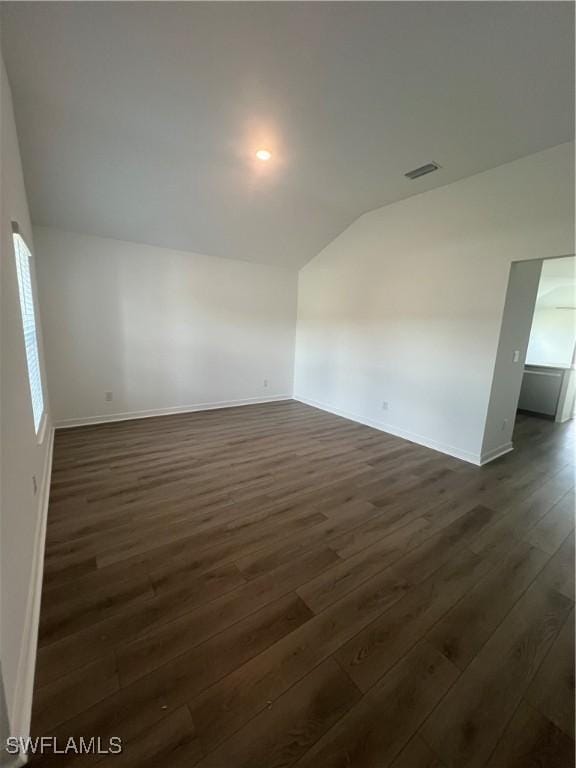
(552, 337)
(508, 371)
(405, 306)
(160, 329)
(22, 512)
(567, 399)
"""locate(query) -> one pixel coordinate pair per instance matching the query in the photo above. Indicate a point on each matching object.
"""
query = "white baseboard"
(129, 415)
(21, 714)
(495, 453)
(471, 458)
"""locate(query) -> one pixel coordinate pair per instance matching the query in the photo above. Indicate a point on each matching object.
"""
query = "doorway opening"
(534, 376)
(548, 387)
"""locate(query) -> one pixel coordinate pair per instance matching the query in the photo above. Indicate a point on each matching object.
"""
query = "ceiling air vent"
(422, 171)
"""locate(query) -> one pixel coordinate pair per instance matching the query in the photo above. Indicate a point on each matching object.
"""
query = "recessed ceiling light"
(263, 154)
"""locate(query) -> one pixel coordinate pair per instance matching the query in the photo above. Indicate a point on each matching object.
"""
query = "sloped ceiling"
(140, 121)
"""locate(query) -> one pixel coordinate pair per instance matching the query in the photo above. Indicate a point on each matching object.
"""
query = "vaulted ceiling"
(140, 121)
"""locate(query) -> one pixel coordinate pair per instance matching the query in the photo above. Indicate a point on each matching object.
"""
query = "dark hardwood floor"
(275, 586)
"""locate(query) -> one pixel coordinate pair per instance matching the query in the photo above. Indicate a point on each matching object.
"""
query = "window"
(23, 257)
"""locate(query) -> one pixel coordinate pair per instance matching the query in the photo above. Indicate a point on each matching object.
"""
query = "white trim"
(495, 453)
(22, 706)
(42, 428)
(471, 458)
(129, 415)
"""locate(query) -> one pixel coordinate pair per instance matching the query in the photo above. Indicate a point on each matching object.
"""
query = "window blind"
(23, 257)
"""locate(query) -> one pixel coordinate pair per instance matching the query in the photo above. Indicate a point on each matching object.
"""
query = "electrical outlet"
(34, 484)
(516, 356)
(108, 397)
(504, 424)
(265, 382)
(384, 405)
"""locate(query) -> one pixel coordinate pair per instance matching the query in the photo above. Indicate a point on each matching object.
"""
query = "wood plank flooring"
(274, 586)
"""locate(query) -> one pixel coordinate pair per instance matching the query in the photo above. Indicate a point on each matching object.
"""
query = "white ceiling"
(557, 287)
(139, 121)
